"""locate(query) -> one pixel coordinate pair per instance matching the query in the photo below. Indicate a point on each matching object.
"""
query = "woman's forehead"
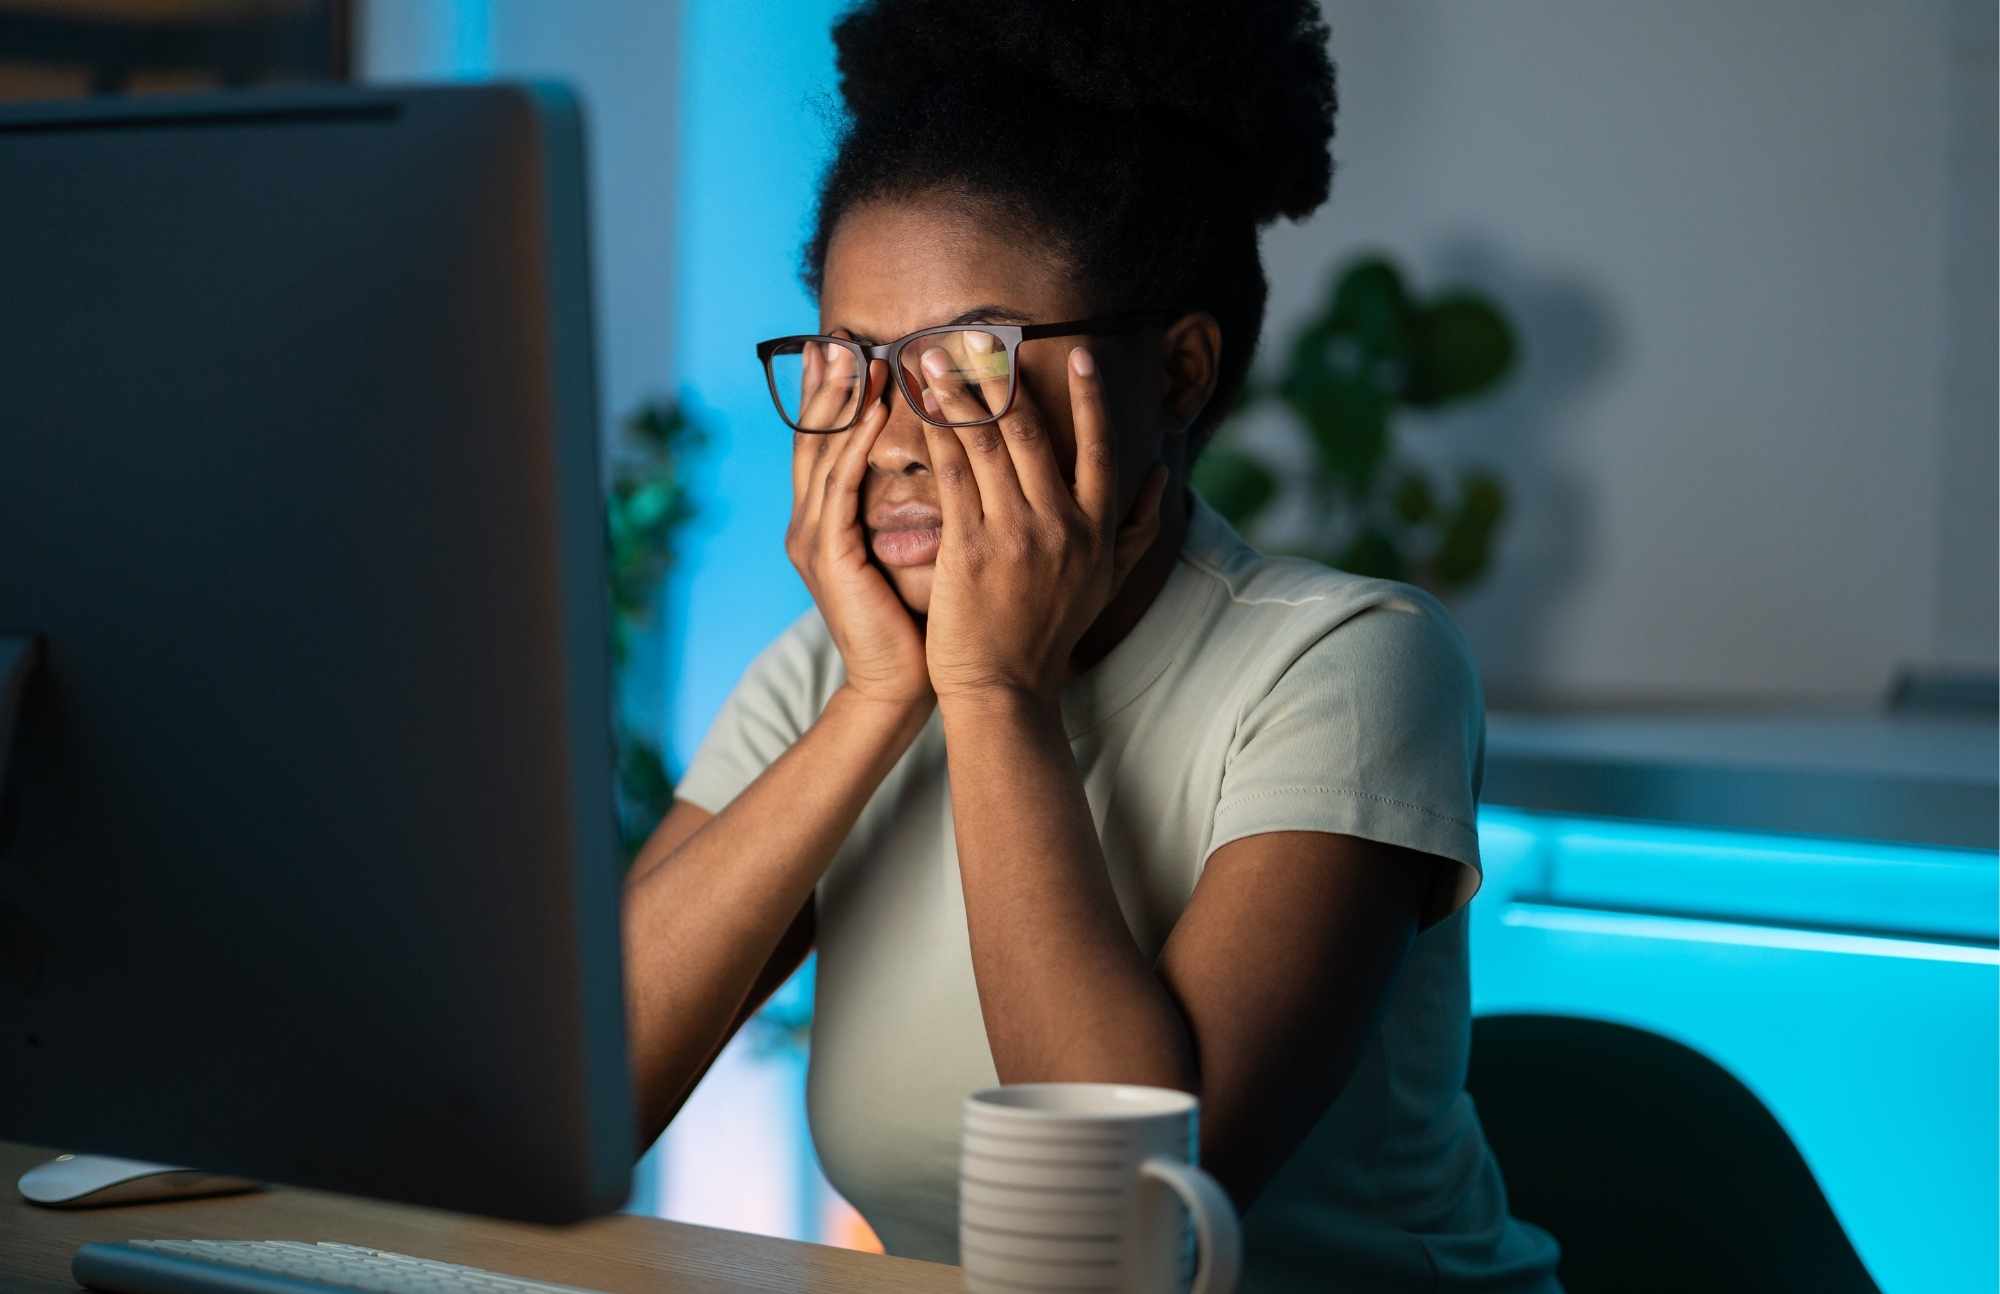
(892, 268)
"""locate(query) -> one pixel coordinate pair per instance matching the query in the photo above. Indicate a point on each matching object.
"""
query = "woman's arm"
(1263, 993)
(705, 917)
(1280, 964)
(1066, 993)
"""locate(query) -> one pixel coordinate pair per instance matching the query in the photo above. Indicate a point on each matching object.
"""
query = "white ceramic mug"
(1089, 1188)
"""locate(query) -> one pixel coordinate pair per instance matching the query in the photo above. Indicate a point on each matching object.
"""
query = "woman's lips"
(909, 547)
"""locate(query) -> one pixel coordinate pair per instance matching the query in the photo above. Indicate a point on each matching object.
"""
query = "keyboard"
(281, 1267)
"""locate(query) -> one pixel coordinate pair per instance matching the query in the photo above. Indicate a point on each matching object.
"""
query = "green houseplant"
(1374, 346)
(646, 502)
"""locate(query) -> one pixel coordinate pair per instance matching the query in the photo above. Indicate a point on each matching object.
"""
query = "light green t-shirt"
(1256, 694)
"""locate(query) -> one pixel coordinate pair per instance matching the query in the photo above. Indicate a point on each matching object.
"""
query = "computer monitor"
(307, 861)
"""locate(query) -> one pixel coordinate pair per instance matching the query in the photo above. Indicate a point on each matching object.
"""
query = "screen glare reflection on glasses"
(819, 383)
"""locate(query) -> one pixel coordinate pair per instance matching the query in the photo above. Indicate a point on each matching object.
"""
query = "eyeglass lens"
(819, 384)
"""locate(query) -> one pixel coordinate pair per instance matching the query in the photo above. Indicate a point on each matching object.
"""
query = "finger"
(832, 400)
(842, 506)
(826, 378)
(985, 445)
(836, 514)
(812, 371)
(985, 362)
(1096, 455)
(845, 481)
(803, 451)
(958, 488)
(1029, 446)
(1141, 528)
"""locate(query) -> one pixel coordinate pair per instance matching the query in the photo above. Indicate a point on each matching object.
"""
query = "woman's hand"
(1025, 564)
(877, 637)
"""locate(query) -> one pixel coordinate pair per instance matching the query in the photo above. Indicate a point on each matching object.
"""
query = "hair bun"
(1250, 82)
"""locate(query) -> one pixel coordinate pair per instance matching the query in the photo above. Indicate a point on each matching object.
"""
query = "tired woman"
(1062, 779)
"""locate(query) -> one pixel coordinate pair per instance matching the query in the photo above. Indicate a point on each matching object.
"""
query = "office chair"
(1653, 1166)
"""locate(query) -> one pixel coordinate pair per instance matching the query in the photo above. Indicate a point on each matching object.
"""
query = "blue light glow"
(471, 39)
(1853, 987)
(752, 148)
(1650, 926)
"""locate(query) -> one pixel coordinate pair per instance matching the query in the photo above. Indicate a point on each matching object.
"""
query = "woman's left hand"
(1025, 563)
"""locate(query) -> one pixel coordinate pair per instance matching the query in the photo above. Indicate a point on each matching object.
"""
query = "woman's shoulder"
(1272, 609)
(798, 671)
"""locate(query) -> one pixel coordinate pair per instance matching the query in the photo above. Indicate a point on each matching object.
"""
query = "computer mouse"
(86, 1181)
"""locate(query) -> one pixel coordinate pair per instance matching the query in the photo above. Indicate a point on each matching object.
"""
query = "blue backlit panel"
(1853, 987)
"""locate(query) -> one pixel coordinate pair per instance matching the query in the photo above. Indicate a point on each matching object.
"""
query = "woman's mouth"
(909, 547)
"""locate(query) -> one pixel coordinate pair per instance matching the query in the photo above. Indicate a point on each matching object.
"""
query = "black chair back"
(1653, 1166)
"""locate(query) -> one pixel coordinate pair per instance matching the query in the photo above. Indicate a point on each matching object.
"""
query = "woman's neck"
(1142, 584)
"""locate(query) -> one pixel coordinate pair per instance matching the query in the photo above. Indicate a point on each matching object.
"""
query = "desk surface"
(640, 1255)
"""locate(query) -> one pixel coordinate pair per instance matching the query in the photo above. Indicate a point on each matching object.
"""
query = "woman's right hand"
(877, 636)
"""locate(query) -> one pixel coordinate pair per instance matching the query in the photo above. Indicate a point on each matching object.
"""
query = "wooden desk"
(639, 1255)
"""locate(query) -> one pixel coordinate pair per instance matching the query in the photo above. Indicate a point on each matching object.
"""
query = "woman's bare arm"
(717, 909)
(682, 821)
(1261, 999)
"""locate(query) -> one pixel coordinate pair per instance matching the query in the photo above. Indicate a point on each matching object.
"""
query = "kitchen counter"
(1915, 778)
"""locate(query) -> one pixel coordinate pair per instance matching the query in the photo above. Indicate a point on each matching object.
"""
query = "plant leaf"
(1414, 501)
(1371, 306)
(1347, 421)
(1373, 552)
(1237, 485)
(1467, 543)
(1461, 345)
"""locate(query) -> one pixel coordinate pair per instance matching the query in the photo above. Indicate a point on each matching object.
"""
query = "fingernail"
(931, 401)
(1081, 363)
(936, 362)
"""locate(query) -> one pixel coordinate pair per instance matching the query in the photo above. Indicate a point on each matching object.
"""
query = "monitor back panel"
(307, 866)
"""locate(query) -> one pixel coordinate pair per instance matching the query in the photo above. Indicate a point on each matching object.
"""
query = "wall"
(1751, 248)
(1969, 559)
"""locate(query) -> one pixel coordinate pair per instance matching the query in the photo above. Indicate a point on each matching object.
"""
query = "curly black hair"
(1202, 123)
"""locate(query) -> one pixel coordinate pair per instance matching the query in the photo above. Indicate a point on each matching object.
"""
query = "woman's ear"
(1190, 353)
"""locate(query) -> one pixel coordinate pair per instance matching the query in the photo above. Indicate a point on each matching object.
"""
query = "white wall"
(1751, 247)
(1969, 558)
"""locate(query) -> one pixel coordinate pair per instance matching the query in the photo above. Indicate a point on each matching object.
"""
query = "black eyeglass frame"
(1011, 335)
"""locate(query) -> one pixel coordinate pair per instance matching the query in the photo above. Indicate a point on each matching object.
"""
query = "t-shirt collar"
(1143, 654)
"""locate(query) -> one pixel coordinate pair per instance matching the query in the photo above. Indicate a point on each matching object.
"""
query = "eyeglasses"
(817, 381)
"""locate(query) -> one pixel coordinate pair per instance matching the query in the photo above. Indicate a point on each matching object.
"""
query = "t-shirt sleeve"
(1377, 729)
(779, 696)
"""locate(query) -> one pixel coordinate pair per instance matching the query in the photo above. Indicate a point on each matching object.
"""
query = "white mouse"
(85, 1181)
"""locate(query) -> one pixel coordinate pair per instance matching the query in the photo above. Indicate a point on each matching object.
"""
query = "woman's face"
(894, 267)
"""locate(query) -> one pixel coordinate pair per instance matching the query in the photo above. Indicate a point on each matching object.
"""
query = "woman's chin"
(913, 586)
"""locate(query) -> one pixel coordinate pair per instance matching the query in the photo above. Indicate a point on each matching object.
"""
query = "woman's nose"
(900, 447)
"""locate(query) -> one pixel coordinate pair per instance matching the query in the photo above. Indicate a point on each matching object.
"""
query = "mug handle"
(1218, 1238)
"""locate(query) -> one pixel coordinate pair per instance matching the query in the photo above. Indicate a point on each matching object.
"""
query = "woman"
(1063, 780)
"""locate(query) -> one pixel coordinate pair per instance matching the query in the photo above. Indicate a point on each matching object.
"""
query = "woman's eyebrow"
(978, 314)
